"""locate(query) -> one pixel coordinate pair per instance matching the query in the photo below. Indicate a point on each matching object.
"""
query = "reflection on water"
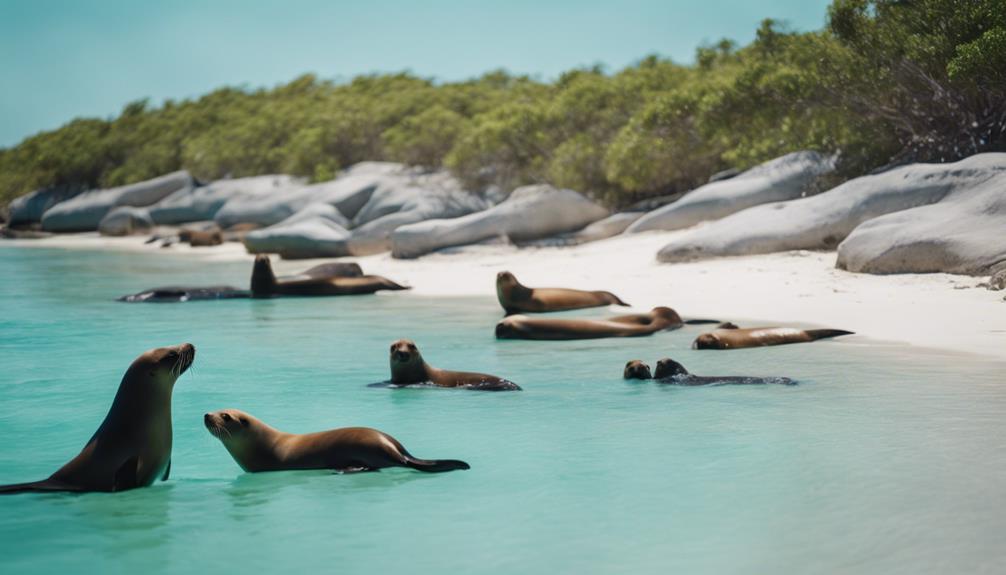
(884, 459)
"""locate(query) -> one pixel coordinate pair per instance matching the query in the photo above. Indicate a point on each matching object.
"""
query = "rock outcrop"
(27, 210)
(126, 221)
(203, 203)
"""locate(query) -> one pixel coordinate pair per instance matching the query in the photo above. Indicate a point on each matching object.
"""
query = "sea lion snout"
(706, 341)
(403, 350)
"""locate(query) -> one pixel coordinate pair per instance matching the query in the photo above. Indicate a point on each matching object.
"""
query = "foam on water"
(884, 459)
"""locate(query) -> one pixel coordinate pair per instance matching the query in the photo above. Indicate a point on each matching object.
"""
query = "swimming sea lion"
(173, 294)
(517, 298)
(265, 284)
(408, 368)
(632, 325)
(132, 448)
(671, 372)
(761, 336)
(257, 447)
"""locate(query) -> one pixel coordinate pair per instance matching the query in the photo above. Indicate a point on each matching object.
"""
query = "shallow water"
(884, 459)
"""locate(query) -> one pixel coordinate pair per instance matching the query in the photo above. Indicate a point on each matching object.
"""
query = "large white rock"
(126, 221)
(85, 211)
(824, 220)
(203, 203)
(316, 231)
(602, 229)
(530, 213)
(28, 209)
(965, 233)
(785, 178)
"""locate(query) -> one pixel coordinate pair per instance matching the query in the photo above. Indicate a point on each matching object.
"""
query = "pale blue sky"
(60, 59)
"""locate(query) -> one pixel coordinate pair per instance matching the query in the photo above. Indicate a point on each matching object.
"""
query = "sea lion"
(329, 270)
(132, 448)
(670, 372)
(265, 284)
(761, 336)
(201, 238)
(172, 294)
(409, 368)
(517, 298)
(257, 447)
(632, 325)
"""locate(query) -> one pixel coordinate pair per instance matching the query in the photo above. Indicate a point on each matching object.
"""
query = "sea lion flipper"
(167, 471)
(355, 469)
(434, 465)
(125, 476)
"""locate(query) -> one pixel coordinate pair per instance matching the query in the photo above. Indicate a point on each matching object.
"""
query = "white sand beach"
(941, 311)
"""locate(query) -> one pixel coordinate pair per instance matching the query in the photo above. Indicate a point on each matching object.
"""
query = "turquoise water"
(884, 459)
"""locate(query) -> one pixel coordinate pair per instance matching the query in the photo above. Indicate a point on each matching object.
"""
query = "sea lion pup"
(517, 298)
(265, 284)
(671, 372)
(257, 447)
(132, 448)
(761, 336)
(408, 367)
(636, 369)
(172, 294)
(632, 325)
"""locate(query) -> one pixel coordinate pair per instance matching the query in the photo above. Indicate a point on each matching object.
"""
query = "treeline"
(884, 82)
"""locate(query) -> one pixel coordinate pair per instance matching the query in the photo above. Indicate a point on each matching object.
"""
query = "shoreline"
(937, 311)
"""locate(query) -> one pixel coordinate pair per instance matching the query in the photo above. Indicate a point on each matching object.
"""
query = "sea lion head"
(667, 367)
(407, 364)
(707, 341)
(666, 313)
(242, 435)
(227, 424)
(506, 283)
(163, 365)
(636, 369)
(263, 280)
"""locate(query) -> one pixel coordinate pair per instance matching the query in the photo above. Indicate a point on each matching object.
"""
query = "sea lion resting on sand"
(265, 284)
(409, 368)
(632, 325)
(671, 372)
(761, 336)
(132, 448)
(257, 447)
(517, 298)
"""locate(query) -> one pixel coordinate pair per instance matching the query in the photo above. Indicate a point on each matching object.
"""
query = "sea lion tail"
(823, 333)
(700, 321)
(392, 285)
(435, 465)
(619, 301)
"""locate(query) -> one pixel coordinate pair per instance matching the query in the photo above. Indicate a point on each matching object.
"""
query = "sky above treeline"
(62, 59)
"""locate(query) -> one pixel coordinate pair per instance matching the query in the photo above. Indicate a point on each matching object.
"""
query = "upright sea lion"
(637, 324)
(257, 447)
(171, 294)
(517, 298)
(132, 448)
(265, 284)
(673, 373)
(409, 368)
(761, 336)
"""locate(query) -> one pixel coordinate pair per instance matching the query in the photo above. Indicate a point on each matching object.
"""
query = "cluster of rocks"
(914, 218)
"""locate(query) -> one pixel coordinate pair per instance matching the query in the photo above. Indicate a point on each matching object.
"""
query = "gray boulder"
(530, 213)
(203, 203)
(316, 231)
(85, 211)
(126, 221)
(785, 178)
(965, 233)
(28, 209)
(823, 221)
(602, 229)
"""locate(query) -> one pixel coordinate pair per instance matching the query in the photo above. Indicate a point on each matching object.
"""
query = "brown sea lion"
(670, 372)
(257, 447)
(761, 336)
(265, 284)
(132, 447)
(201, 238)
(517, 298)
(409, 368)
(632, 325)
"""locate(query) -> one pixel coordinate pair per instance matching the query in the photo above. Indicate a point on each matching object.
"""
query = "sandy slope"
(931, 310)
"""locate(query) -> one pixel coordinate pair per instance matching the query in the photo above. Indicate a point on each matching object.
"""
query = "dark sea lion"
(632, 325)
(257, 447)
(174, 294)
(265, 284)
(201, 238)
(636, 369)
(761, 336)
(517, 298)
(132, 447)
(409, 368)
(670, 372)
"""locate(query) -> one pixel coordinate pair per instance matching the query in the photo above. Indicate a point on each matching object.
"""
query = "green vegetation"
(885, 81)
